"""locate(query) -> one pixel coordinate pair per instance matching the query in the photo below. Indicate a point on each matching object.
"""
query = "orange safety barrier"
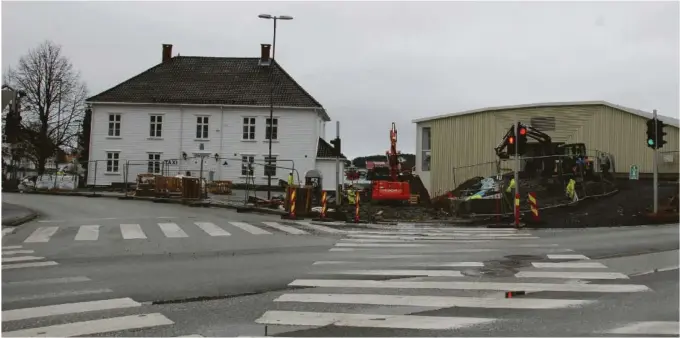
(517, 210)
(324, 205)
(534, 206)
(293, 197)
(356, 212)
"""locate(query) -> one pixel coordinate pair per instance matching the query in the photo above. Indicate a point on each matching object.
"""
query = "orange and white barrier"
(324, 204)
(356, 210)
(533, 205)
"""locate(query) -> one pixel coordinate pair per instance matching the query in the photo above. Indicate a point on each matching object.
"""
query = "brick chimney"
(264, 54)
(167, 53)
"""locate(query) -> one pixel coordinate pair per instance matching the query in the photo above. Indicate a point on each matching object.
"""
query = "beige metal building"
(454, 147)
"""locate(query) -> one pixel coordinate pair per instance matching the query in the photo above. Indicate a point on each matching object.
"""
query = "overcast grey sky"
(371, 63)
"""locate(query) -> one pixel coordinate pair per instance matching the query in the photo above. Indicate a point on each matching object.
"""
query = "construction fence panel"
(668, 161)
(251, 169)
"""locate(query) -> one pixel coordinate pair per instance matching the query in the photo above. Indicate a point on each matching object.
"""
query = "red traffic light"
(511, 140)
(522, 131)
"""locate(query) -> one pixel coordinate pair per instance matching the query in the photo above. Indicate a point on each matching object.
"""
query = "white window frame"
(115, 121)
(264, 170)
(112, 162)
(156, 126)
(245, 158)
(248, 130)
(275, 129)
(202, 127)
(154, 163)
(426, 149)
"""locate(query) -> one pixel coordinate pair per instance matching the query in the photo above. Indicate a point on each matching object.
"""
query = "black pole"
(271, 116)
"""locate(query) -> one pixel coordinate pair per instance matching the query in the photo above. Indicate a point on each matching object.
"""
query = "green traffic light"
(650, 142)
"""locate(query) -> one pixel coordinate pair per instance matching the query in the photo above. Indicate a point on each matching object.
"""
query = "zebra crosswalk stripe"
(87, 233)
(285, 228)
(432, 301)
(249, 228)
(172, 230)
(21, 259)
(321, 228)
(94, 326)
(41, 235)
(647, 328)
(369, 320)
(28, 265)
(212, 229)
(132, 231)
(68, 308)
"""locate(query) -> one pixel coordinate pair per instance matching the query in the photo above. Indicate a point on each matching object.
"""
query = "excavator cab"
(574, 157)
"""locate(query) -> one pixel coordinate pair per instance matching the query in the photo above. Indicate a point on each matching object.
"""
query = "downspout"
(219, 165)
(181, 141)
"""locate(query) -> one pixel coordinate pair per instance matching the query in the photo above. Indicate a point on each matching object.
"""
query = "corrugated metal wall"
(463, 146)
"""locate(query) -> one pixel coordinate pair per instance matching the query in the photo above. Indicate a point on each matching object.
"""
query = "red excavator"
(385, 183)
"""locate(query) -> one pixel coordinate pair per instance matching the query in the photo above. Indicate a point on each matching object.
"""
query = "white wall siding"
(327, 169)
(424, 175)
(297, 141)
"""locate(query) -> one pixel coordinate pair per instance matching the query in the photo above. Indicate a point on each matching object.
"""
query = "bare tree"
(54, 104)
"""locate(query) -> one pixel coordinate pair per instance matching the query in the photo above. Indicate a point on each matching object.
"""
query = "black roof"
(210, 80)
(325, 150)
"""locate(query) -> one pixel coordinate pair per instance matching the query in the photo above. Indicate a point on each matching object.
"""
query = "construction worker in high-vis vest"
(290, 179)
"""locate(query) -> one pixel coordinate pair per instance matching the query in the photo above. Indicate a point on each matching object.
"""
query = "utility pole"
(337, 167)
(654, 163)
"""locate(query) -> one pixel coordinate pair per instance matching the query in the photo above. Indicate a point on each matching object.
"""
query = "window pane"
(205, 131)
(199, 120)
(117, 118)
(115, 156)
(153, 118)
(158, 129)
(252, 120)
(159, 118)
(275, 133)
(245, 120)
(198, 131)
(111, 117)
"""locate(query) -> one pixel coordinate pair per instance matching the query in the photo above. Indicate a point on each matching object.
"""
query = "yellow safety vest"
(511, 186)
(290, 179)
(350, 196)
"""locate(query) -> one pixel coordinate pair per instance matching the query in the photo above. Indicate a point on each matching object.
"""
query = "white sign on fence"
(634, 173)
(62, 182)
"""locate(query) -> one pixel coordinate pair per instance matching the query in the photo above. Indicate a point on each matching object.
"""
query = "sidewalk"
(14, 215)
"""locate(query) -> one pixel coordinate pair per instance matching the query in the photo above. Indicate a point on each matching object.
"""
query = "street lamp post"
(271, 98)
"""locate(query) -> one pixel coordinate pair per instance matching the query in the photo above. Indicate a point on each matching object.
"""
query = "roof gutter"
(321, 111)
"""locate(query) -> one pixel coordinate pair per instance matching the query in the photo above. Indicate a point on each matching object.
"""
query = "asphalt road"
(137, 277)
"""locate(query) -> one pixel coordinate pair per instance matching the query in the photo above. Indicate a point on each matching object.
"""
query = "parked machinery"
(385, 179)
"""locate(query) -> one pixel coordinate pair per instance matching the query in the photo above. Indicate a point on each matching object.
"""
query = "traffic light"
(660, 134)
(655, 134)
(336, 146)
(522, 139)
(511, 141)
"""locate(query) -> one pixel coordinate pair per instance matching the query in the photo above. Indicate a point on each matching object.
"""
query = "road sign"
(634, 173)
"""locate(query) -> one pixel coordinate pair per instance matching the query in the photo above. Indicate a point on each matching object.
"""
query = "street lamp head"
(264, 16)
(285, 17)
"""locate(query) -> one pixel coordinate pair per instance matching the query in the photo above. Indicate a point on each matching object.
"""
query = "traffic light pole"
(337, 168)
(654, 163)
(516, 169)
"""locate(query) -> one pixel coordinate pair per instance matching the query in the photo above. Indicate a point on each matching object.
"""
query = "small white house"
(215, 110)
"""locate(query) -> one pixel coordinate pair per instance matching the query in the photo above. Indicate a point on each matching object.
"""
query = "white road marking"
(17, 252)
(354, 283)
(94, 326)
(428, 273)
(88, 233)
(55, 295)
(11, 247)
(48, 281)
(340, 249)
(249, 228)
(432, 301)
(28, 265)
(570, 274)
(570, 265)
(41, 235)
(427, 255)
(368, 320)
(647, 328)
(321, 228)
(172, 230)
(21, 259)
(68, 308)
(379, 245)
(212, 229)
(538, 245)
(7, 231)
(557, 256)
(285, 228)
(668, 268)
(438, 264)
(132, 231)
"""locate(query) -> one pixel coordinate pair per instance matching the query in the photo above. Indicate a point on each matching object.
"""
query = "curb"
(165, 200)
(20, 220)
